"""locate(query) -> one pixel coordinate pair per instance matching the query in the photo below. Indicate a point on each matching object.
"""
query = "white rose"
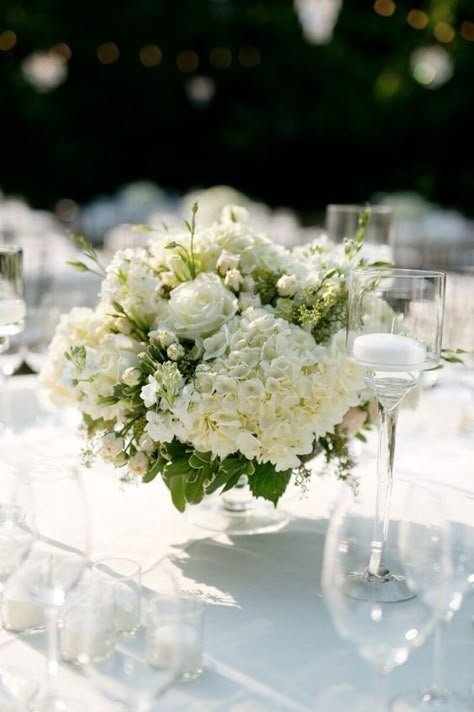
(227, 261)
(287, 285)
(233, 279)
(201, 307)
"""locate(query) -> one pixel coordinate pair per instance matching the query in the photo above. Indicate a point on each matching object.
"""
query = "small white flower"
(175, 352)
(233, 279)
(148, 393)
(111, 445)
(226, 262)
(287, 285)
(247, 300)
(131, 376)
(146, 444)
(138, 464)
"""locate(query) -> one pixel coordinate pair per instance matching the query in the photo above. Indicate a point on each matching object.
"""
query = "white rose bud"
(146, 444)
(227, 261)
(233, 279)
(131, 376)
(162, 337)
(234, 214)
(248, 284)
(247, 300)
(175, 352)
(120, 460)
(287, 285)
(123, 325)
(138, 464)
(111, 446)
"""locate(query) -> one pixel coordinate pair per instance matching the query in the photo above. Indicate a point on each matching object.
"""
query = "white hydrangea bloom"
(270, 394)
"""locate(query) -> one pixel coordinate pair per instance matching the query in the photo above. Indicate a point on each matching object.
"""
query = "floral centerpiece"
(213, 354)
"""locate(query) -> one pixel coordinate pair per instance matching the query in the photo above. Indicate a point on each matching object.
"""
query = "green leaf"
(177, 468)
(177, 486)
(152, 471)
(142, 228)
(79, 266)
(195, 486)
(266, 482)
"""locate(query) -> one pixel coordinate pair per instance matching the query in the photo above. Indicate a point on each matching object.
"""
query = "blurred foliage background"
(192, 93)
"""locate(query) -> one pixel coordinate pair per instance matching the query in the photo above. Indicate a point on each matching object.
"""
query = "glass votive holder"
(21, 610)
(175, 632)
(122, 576)
(87, 629)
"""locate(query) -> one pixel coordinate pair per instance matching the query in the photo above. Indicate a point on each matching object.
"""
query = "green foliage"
(265, 285)
(322, 308)
(77, 356)
(335, 447)
(268, 483)
(89, 252)
(187, 257)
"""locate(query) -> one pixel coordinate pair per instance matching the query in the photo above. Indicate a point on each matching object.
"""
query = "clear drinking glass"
(395, 325)
(12, 313)
(458, 505)
(58, 557)
(130, 675)
(122, 578)
(342, 221)
(384, 634)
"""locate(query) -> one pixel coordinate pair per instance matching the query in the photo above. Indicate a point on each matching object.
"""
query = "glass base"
(388, 588)
(58, 704)
(258, 519)
(16, 686)
(424, 701)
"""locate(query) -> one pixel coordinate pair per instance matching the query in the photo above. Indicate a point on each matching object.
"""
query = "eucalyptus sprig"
(90, 253)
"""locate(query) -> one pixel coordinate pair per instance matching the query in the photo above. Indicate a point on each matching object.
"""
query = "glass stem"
(388, 415)
(52, 666)
(381, 691)
(239, 499)
(438, 681)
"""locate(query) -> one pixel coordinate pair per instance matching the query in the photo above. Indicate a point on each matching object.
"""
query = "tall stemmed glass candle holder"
(395, 325)
(12, 308)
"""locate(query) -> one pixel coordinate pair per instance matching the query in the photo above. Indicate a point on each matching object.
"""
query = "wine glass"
(343, 221)
(12, 313)
(17, 535)
(458, 506)
(131, 670)
(58, 557)
(395, 324)
(384, 634)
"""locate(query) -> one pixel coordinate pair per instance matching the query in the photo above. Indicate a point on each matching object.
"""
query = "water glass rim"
(398, 271)
(10, 249)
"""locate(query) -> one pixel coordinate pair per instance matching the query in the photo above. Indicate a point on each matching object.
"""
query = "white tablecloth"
(270, 643)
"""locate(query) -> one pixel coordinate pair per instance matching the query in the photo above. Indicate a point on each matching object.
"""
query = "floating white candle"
(83, 634)
(21, 614)
(171, 646)
(385, 351)
(11, 311)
